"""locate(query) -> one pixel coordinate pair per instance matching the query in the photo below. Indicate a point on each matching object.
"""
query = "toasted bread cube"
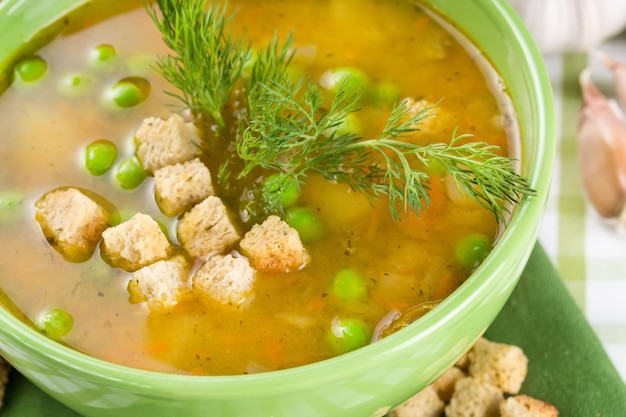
(135, 243)
(180, 186)
(499, 364)
(5, 368)
(206, 229)
(463, 362)
(227, 279)
(425, 403)
(444, 385)
(473, 398)
(525, 406)
(166, 142)
(72, 222)
(274, 246)
(161, 284)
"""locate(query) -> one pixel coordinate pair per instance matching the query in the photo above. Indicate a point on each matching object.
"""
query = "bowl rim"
(520, 233)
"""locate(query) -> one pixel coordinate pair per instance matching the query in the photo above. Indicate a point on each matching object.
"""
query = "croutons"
(166, 142)
(274, 246)
(135, 243)
(468, 394)
(72, 222)
(227, 279)
(499, 364)
(426, 403)
(5, 368)
(444, 385)
(473, 398)
(206, 229)
(161, 284)
(180, 186)
(525, 406)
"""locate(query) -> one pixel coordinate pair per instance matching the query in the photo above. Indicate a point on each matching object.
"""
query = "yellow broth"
(288, 322)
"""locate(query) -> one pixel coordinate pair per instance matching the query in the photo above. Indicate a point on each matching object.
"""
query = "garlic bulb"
(619, 75)
(571, 25)
(602, 150)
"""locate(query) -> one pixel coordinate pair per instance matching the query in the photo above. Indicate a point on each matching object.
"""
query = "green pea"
(349, 285)
(349, 125)
(472, 249)
(75, 84)
(56, 323)
(102, 54)
(355, 79)
(129, 173)
(384, 93)
(129, 92)
(100, 156)
(10, 204)
(31, 69)
(304, 221)
(280, 191)
(347, 335)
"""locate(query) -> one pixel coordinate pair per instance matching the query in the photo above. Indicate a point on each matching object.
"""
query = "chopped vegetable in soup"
(329, 172)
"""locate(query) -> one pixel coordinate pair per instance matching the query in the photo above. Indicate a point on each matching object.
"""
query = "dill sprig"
(294, 134)
(295, 137)
(206, 62)
(271, 63)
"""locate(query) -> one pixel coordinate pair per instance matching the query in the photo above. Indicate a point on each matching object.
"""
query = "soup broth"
(289, 320)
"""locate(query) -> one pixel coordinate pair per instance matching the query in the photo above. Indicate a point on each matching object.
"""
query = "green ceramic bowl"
(369, 381)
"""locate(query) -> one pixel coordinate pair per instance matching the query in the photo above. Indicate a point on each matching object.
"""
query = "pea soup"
(70, 121)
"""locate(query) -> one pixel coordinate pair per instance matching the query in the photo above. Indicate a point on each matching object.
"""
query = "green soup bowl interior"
(370, 380)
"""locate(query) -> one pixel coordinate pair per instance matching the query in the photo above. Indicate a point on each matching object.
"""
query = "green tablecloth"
(568, 366)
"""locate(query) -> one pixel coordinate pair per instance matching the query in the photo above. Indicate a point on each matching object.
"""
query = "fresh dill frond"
(271, 63)
(295, 138)
(293, 133)
(206, 62)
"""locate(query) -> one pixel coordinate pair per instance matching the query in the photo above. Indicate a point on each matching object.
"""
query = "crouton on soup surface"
(207, 229)
(135, 243)
(161, 285)
(180, 186)
(165, 142)
(274, 246)
(72, 222)
(227, 279)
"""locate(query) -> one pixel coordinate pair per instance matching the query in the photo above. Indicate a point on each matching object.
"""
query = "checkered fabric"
(588, 251)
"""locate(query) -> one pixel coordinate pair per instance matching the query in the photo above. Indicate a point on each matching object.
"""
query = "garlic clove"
(602, 150)
(619, 75)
